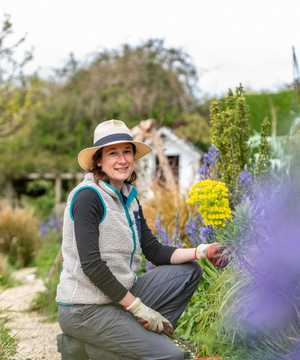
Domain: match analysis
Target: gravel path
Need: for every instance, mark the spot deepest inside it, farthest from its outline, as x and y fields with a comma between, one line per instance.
x=36, y=338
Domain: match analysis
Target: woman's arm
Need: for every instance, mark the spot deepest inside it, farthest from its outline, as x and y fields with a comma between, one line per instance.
x=181, y=256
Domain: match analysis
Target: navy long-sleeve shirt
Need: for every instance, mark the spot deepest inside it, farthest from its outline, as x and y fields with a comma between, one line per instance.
x=88, y=212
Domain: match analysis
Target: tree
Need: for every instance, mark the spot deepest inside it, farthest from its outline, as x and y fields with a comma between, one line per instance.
x=131, y=84
x=134, y=83
x=14, y=96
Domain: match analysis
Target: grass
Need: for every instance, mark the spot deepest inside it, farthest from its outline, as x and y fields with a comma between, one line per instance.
x=7, y=281
x=47, y=253
x=45, y=302
x=6, y=278
x=7, y=343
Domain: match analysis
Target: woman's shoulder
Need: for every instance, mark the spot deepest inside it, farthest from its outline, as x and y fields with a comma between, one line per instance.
x=88, y=197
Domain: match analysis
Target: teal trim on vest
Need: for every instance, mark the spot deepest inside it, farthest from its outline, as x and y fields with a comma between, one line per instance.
x=132, y=195
x=100, y=198
x=129, y=220
x=64, y=304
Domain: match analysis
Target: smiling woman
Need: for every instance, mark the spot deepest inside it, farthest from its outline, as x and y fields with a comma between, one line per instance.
x=100, y=295
x=116, y=163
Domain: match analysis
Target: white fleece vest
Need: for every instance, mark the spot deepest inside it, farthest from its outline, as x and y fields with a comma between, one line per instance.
x=119, y=243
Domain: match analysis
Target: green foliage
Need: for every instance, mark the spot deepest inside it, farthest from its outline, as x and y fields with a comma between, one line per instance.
x=230, y=133
x=7, y=342
x=19, y=235
x=194, y=128
x=45, y=302
x=202, y=322
x=284, y=103
x=15, y=100
x=47, y=253
x=42, y=205
x=263, y=164
x=6, y=279
x=130, y=83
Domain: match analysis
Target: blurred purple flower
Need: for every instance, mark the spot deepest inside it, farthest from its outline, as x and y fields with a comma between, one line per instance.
x=176, y=239
x=245, y=181
x=269, y=302
x=192, y=230
x=161, y=232
x=209, y=160
x=246, y=186
x=53, y=223
x=207, y=234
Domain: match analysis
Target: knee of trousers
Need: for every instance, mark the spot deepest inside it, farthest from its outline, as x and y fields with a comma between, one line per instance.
x=195, y=270
x=175, y=354
x=70, y=348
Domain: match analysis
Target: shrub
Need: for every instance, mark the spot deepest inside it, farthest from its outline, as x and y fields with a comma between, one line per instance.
x=171, y=209
x=45, y=302
x=19, y=237
x=230, y=133
x=47, y=253
x=6, y=280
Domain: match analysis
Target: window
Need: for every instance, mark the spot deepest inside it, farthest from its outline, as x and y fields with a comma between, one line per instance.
x=173, y=161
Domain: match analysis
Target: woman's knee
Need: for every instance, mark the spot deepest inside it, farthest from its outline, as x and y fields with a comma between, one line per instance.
x=175, y=354
x=194, y=269
x=197, y=270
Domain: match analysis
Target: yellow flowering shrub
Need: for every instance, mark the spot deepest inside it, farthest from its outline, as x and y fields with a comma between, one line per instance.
x=211, y=199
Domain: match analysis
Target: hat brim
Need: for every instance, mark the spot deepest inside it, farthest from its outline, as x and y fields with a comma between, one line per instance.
x=85, y=156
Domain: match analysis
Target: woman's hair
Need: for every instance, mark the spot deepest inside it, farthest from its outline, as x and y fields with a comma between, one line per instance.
x=99, y=174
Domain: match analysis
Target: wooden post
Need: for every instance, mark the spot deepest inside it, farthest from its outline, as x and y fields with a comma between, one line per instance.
x=163, y=162
x=58, y=190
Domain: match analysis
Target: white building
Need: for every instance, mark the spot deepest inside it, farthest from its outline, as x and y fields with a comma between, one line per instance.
x=184, y=159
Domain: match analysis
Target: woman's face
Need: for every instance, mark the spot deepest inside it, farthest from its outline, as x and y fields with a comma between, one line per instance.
x=117, y=162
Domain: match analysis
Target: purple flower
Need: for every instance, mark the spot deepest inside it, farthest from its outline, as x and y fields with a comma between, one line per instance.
x=268, y=302
x=192, y=230
x=246, y=185
x=53, y=223
x=207, y=234
x=209, y=160
x=212, y=156
x=161, y=232
x=245, y=180
x=176, y=240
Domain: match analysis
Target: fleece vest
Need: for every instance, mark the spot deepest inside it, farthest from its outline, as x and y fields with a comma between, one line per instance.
x=119, y=243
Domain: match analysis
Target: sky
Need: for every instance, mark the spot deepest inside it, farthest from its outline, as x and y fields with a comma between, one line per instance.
x=229, y=41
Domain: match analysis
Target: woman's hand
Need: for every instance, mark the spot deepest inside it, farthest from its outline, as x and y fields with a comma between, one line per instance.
x=151, y=319
x=216, y=253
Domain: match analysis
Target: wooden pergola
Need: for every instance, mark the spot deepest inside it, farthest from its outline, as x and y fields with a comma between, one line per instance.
x=57, y=178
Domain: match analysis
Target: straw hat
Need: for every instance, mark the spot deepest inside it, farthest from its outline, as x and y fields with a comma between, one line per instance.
x=108, y=133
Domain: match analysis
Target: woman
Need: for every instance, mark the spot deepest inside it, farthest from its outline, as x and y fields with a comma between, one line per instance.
x=102, y=302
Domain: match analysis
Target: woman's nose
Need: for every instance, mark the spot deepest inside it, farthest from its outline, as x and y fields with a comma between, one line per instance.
x=122, y=157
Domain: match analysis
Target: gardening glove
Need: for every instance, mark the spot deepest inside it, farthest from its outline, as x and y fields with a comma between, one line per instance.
x=151, y=319
x=218, y=255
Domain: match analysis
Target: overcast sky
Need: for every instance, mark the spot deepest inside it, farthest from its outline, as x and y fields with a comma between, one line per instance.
x=232, y=41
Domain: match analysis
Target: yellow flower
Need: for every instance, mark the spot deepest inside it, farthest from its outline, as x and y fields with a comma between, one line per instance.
x=211, y=199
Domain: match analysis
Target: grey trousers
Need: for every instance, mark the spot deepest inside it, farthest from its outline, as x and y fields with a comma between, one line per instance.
x=111, y=333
